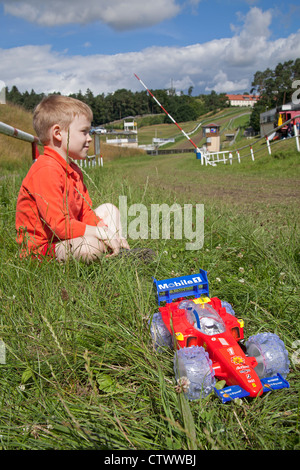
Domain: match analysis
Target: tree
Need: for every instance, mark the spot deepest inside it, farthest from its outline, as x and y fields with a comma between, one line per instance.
x=254, y=120
x=214, y=101
x=190, y=90
x=14, y=96
x=274, y=88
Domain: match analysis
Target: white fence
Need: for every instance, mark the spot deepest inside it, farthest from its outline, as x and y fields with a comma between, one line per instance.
x=91, y=161
x=249, y=151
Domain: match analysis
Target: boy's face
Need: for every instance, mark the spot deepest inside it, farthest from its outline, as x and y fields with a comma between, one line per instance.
x=76, y=140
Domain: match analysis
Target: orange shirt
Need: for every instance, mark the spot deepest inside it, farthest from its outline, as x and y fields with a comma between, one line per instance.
x=53, y=203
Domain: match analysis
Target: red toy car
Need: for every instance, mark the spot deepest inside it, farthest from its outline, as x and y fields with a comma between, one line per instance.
x=208, y=339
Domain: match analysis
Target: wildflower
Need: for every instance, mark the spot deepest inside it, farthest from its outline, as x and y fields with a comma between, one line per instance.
x=242, y=281
x=182, y=385
x=240, y=255
x=238, y=401
x=218, y=279
x=242, y=270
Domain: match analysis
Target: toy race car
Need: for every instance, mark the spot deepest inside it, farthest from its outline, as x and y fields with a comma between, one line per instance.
x=208, y=340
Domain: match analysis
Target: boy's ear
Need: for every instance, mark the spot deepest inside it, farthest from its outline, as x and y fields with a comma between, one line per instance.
x=56, y=132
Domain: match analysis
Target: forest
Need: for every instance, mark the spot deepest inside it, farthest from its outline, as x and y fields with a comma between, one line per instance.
x=123, y=103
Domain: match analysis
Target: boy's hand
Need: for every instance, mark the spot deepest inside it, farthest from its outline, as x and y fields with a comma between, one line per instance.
x=110, y=240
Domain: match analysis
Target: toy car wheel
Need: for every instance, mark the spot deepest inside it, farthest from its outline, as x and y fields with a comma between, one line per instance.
x=160, y=334
x=194, y=372
x=270, y=353
x=228, y=307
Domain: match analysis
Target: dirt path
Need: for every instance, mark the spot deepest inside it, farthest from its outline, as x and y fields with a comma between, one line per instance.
x=247, y=192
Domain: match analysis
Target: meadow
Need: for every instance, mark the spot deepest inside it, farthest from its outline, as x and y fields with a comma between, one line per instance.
x=80, y=370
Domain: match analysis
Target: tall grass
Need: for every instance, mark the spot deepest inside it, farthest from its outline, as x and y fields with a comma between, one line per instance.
x=13, y=152
x=81, y=371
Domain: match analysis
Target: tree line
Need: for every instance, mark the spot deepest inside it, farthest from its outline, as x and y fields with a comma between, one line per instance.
x=123, y=103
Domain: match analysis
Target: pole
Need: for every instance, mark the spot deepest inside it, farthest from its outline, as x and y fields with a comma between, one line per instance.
x=268, y=145
x=296, y=133
x=166, y=112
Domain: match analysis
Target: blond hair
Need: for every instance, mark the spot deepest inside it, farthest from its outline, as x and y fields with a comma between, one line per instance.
x=57, y=109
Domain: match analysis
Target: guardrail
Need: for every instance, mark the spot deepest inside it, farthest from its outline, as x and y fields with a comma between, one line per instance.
x=226, y=155
x=21, y=135
x=90, y=161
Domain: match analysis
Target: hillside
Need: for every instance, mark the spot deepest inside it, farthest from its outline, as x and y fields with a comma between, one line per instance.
x=14, y=152
x=230, y=119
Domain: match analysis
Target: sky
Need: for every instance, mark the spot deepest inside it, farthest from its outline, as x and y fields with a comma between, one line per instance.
x=75, y=45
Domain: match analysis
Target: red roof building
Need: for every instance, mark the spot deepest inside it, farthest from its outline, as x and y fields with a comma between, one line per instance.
x=242, y=100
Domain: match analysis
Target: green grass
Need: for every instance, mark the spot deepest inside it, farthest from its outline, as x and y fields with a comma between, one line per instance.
x=81, y=371
x=228, y=118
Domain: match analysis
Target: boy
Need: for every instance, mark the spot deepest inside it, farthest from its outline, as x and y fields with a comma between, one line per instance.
x=54, y=213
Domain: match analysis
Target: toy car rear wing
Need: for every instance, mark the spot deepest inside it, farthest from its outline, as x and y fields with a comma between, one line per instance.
x=193, y=285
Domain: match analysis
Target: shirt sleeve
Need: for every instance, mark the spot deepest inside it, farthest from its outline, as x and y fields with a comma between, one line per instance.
x=88, y=215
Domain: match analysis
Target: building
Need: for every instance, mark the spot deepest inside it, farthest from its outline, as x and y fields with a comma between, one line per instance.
x=211, y=133
x=126, y=138
x=130, y=125
x=267, y=121
x=242, y=100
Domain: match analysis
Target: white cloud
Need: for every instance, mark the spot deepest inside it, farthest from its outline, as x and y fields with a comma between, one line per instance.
x=183, y=84
x=223, y=65
x=119, y=14
x=221, y=84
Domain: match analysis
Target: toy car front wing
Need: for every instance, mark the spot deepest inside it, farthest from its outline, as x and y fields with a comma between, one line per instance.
x=235, y=391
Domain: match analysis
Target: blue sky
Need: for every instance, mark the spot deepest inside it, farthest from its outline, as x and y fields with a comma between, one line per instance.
x=70, y=45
